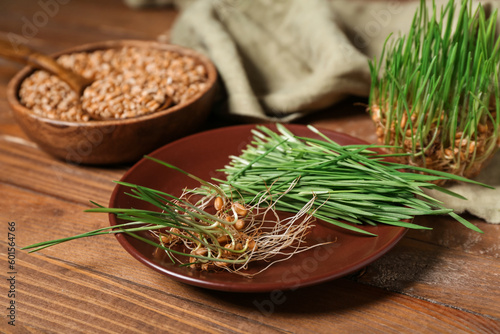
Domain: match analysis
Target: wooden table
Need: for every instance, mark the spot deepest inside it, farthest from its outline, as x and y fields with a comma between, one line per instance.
x=441, y=281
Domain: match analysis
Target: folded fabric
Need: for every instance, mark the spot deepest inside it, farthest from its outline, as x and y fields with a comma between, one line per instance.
x=280, y=60
x=481, y=202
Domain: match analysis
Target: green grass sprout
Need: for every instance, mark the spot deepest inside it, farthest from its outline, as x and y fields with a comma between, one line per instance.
x=352, y=186
x=435, y=90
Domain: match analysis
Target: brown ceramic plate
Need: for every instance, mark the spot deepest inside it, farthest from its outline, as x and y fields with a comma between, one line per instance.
x=203, y=154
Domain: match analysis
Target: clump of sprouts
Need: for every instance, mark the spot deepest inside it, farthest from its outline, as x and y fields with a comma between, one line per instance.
x=235, y=234
x=352, y=185
x=217, y=231
x=206, y=229
x=435, y=91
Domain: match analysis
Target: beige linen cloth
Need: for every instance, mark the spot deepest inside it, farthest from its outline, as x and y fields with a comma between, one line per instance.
x=282, y=59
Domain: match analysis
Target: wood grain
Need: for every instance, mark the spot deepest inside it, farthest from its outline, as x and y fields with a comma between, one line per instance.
x=442, y=281
x=401, y=276
x=24, y=165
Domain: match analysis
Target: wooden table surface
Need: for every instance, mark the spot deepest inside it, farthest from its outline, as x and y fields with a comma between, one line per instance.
x=442, y=281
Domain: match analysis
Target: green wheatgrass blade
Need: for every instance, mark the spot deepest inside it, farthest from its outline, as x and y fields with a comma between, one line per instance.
x=465, y=222
x=439, y=173
x=344, y=225
x=259, y=158
x=101, y=231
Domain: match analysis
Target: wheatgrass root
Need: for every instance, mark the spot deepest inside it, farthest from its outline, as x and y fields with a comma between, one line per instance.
x=240, y=235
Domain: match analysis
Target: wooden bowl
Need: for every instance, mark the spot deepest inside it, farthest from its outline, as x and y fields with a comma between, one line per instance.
x=114, y=141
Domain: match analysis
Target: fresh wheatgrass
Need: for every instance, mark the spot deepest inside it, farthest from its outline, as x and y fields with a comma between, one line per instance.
x=230, y=225
x=435, y=91
x=352, y=185
x=208, y=233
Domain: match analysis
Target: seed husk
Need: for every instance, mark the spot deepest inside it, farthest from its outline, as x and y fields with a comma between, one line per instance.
x=240, y=209
x=218, y=203
x=240, y=224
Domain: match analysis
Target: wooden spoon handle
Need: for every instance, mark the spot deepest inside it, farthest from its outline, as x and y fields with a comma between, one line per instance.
x=25, y=55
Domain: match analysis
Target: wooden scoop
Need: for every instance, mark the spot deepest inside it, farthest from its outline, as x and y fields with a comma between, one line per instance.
x=27, y=56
